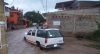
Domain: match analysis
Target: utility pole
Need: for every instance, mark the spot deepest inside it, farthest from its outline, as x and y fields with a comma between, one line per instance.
x=46, y=9
x=3, y=45
x=46, y=6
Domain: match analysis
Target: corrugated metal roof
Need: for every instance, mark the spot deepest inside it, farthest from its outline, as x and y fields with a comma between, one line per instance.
x=69, y=3
x=66, y=4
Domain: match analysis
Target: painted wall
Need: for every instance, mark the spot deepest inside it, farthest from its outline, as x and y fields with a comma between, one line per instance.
x=14, y=18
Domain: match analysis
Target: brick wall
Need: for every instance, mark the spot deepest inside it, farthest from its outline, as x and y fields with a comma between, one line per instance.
x=74, y=22
x=86, y=5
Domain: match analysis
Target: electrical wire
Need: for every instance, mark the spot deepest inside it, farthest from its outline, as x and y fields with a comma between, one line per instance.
x=46, y=6
x=12, y=3
x=42, y=4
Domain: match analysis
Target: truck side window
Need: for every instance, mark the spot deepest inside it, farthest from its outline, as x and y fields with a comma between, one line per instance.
x=41, y=33
x=29, y=33
x=33, y=32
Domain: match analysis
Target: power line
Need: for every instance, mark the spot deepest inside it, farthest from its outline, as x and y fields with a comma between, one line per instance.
x=42, y=4
x=46, y=6
x=12, y=3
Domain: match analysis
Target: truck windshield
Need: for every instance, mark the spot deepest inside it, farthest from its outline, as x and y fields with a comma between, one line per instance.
x=53, y=33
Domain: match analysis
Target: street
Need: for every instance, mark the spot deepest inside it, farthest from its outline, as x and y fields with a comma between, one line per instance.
x=17, y=45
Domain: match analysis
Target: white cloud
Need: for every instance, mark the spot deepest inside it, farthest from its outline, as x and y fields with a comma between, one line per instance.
x=30, y=5
x=52, y=10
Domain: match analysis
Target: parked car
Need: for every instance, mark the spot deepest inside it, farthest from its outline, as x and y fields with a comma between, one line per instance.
x=45, y=38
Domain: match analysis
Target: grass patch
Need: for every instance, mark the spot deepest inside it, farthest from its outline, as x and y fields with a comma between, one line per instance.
x=97, y=46
x=95, y=36
x=79, y=37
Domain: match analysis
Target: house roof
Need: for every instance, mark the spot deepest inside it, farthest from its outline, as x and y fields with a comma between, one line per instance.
x=69, y=3
x=66, y=4
x=95, y=3
x=91, y=1
x=44, y=14
x=15, y=11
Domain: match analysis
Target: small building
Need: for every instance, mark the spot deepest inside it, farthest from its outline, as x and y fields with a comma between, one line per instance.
x=12, y=20
x=25, y=23
x=76, y=17
x=15, y=19
x=71, y=5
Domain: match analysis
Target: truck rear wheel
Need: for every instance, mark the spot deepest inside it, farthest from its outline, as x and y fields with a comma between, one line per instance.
x=38, y=45
x=25, y=38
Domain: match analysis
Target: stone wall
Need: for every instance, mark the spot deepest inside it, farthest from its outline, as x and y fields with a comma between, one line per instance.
x=75, y=21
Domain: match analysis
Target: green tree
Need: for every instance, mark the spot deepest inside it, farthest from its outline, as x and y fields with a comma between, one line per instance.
x=12, y=8
x=34, y=16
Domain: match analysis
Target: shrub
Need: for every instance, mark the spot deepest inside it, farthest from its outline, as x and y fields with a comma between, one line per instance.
x=96, y=34
x=31, y=24
x=97, y=46
x=20, y=23
x=79, y=37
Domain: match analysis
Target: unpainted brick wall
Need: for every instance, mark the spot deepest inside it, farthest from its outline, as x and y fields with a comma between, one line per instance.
x=86, y=4
x=71, y=24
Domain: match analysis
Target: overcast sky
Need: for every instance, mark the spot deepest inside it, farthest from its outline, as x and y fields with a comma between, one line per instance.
x=29, y=5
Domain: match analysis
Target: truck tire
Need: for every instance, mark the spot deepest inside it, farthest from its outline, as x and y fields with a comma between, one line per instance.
x=38, y=45
x=25, y=38
x=41, y=48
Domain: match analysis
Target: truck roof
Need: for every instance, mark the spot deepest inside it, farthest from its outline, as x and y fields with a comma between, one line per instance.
x=47, y=29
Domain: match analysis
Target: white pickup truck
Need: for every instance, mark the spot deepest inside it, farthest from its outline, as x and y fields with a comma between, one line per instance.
x=45, y=38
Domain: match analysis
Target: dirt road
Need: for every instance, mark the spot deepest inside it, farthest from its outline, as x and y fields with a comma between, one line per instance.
x=16, y=45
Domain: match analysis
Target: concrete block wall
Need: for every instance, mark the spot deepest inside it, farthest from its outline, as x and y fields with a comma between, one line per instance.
x=74, y=23
x=92, y=11
x=85, y=22
x=86, y=4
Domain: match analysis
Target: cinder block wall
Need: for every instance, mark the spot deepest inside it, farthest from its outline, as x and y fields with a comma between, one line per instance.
x=75, y=22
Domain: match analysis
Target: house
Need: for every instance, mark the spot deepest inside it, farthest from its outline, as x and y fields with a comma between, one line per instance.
x=15, y=19
x=71, y=5
x=76, y=17
x=25, y=23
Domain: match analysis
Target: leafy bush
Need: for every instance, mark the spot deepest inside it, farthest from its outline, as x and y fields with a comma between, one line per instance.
x=96, y=34
x=97, y=46
x=31, y=24
x=79, y=37
x=98, y=24
x=20, y=23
